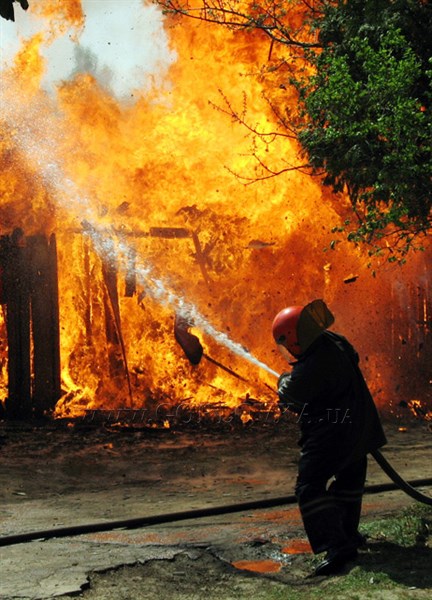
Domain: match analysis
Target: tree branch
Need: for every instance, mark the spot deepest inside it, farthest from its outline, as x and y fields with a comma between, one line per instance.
x=266, y=17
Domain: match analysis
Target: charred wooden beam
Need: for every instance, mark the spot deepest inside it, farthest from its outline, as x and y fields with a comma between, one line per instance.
x=45, y=322
x=116, y=365
x=87, y=294
x=201, y=257
x=169, y=232
x=224, y=368
x=131, y=278
x=55, y=317
x=16, y=297
x=117, y=358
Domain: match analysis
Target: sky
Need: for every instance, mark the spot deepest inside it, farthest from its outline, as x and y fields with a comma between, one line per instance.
x=123, y=44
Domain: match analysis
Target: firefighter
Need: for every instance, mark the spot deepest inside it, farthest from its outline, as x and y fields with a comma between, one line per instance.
x=339, y=426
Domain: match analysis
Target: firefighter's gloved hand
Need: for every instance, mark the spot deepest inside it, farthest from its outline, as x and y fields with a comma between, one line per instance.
x=283, y=404
x=282, y=385
x=282, y=378
x=286, y=400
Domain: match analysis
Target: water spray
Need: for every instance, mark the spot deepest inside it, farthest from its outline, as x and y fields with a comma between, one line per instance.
x=40, y=152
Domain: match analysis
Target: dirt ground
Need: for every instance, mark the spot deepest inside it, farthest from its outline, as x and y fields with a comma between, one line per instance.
x=62, y=473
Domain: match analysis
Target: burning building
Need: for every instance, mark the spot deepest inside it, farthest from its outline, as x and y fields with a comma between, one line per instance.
x=130, y=224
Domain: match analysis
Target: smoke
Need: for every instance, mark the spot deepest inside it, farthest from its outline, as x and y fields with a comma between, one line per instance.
x=122, y=44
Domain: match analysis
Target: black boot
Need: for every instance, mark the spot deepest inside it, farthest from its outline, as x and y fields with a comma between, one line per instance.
x=336, y=559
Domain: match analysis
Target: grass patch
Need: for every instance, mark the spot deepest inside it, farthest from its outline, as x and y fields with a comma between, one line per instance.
x=409, y=528
x=395, y=565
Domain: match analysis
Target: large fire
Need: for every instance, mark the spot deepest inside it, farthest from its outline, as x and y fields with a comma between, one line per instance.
x=155, y=217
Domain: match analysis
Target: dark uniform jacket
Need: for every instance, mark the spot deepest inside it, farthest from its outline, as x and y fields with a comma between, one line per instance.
x=326, y=389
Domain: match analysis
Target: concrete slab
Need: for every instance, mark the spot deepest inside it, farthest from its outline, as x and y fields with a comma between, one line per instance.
x=54, y=568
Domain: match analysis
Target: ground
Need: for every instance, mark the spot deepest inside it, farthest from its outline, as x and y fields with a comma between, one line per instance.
x=57, y=474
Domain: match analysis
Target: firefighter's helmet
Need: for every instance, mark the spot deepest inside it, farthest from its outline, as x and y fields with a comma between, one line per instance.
x=285, y=329
x=297, y=327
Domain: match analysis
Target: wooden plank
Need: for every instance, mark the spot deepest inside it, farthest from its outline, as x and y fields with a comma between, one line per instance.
x=111, y=306
x=55, y=320
x=169, y=232
x=117, y=358
x=45, y=323
x=87, y=294
x=17, y=300
x=131, y=278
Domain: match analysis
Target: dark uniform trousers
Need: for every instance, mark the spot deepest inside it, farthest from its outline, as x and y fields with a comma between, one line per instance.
x=327, y=378
x=330, y=513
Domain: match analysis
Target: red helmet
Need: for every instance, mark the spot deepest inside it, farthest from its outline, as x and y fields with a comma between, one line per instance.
x=285, y=329
x=297, y=327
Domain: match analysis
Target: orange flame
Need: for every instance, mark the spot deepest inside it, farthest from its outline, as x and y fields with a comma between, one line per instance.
x=160, y=181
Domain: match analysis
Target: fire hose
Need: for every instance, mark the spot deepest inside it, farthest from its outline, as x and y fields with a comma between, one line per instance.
x=400, y=483
x=140, y=522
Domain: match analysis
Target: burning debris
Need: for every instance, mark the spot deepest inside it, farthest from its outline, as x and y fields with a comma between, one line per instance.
x=189, y=343
x=350, y=278
x=418, y=409
x=192, y=346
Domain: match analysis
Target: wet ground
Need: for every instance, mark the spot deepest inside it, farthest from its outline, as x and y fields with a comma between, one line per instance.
x=61, y=474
